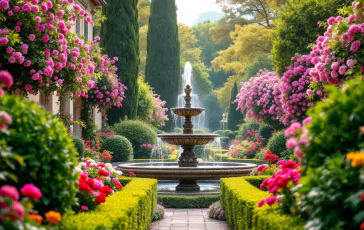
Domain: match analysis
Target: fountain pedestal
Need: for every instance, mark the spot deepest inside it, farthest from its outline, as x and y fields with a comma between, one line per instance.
x=188, y=185
x=188, y=157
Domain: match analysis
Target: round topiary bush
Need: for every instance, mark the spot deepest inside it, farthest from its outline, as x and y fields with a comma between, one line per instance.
x=228, y=133
x=250, y=124
x=47, y=150
x=120, y=147
x=266, y=132
x=80, y=146
x=137, y=133
x=277, y=143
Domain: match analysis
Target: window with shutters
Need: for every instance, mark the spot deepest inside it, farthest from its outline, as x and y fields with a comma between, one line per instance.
x=85, y=28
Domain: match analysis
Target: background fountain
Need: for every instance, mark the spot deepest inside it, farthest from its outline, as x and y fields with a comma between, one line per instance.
x=188, y=170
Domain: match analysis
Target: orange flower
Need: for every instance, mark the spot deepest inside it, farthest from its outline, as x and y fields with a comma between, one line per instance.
x=53, y=217
x=35, y=217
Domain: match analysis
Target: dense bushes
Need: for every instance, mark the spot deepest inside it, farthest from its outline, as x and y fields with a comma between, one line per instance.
x=130, y=208
x=188, y=201
x=265, y=131
x=137, y=133
x=277, y=143
x=119, y=146
x=239, y=200
x=250, y=124
x=47, y=150
x=79, y=145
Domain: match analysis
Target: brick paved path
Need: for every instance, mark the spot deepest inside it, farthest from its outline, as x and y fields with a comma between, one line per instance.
x=188, y=219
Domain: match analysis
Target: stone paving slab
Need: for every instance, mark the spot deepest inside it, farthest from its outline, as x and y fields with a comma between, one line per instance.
x=188, y=219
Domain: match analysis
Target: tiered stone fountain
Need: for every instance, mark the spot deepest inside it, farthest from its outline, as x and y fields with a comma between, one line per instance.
x=188, y=170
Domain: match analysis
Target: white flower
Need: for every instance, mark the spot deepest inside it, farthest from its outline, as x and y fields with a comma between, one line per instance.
x=91, y=160
x=82, y=164
x=119, y=172
x=108, y=166
x=93, y=164
x=78, y=169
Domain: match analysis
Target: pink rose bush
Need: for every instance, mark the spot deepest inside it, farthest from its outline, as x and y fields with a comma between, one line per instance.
x=280, y=185
x=159, y=114
x=6, y=80
x=97, y=181
x=298, y=137
x=260, y=98
x=44, y=55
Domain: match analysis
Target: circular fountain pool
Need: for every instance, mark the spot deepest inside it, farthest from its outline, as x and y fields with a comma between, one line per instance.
x=171, y=170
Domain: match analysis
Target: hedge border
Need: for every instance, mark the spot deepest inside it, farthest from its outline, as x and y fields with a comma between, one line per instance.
x=239, y=200
x=172, y=158
x=203, y=201
x=225, y=158
x=130, y=208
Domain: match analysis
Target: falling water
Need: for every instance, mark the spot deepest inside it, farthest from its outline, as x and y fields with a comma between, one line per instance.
x=158, y=152
x=199, y=121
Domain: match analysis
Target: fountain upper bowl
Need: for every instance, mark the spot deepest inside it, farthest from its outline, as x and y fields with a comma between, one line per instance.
x=188, y=139
x=187, y=112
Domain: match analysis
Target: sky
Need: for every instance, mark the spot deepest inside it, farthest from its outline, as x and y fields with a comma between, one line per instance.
x=189, y=10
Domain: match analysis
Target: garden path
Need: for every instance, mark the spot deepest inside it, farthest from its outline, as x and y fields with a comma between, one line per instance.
x=188, y=219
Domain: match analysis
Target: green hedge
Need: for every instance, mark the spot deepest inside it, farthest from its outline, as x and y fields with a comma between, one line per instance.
x=130, y=208
x=224, y=158
x=256, y=180
x=172, y=158
x=239, y=199
x=188, y=201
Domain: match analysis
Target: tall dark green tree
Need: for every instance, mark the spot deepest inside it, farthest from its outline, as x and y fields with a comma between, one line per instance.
x=163, y=59
x=235, y=117
x=120, y=38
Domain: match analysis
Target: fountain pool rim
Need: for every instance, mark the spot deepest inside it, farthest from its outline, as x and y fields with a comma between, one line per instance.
x=200, y=166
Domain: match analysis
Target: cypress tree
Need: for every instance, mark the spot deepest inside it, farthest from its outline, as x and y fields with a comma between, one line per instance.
x=235, y=117
x=120, y=38
x=163, y=58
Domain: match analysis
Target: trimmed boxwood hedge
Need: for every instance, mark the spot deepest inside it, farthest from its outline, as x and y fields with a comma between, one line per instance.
x=130, y=208
x=120, y=147
x=239, y=200
x=187, y=201
x=224, y=158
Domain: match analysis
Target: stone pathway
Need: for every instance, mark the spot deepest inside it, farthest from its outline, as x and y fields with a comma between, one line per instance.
x=188, y=219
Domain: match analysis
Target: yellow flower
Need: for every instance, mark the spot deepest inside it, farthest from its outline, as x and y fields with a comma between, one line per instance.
x=357, y=158
x=53, y=217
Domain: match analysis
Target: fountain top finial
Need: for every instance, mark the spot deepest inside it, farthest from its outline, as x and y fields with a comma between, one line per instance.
x=188, y=97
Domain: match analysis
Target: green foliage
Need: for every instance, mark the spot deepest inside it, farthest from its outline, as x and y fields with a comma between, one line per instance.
x=213, y=111
x=79, y=145
x=228, y=133
x=295, y=30
x=235, y=117
x=216, y=211
x=266, y=132
x=260, y=63
x=130, y=208
x=187, y=201
x=219, y=132
x=163, y=57
x=288, y=155
x=137, y=133
x=250, y=124
x=89, y=131
x=145, y=101
x=331, y=193
x=122, y=40
x=277, y=143
x=239, y=200
x=48, y=152
x=336, y=123
x=120, y=147
x=158, y=213
x=256, y=180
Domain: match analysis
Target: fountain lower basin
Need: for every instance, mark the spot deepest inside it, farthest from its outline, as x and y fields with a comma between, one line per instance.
x=187, y=175
x=188, y=139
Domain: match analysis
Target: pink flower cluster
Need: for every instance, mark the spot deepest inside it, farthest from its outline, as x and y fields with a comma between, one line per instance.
x=14, y=210
x=146, y=145
x=7, y=81
x=295, y=90
x=335, y=54
x=159, y=116
x=283, y=180
x=53, y=58
x=260, y=97
x=298, y=137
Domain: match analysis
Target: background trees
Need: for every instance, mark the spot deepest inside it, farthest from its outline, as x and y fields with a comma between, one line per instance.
x=122, y=42
x=163, y=58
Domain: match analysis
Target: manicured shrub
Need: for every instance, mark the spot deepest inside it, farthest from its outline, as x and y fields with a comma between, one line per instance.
x=47, y=150
x=79, y=145
x=277, y=143
x=239, y=200
x=216, y=211
x=130, y=208
x=187, y=201
x=219, y=132
x=137, y=133
x=228, y=133
x=266, y=132
x=250, y=124
x=120, y=147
